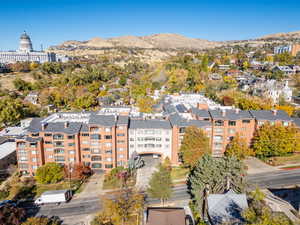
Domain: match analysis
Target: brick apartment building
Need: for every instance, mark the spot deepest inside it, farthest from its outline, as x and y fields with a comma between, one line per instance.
x=106, y=141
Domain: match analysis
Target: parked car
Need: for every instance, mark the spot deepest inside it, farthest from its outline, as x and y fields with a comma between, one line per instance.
x=56, y=196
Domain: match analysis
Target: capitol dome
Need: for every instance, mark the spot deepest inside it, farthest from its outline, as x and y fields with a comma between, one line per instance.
x=25, y=43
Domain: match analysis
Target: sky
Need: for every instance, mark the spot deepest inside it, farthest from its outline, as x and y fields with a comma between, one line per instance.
x=50, y=22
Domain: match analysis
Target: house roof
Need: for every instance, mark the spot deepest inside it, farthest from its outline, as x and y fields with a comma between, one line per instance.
x=230, y=114
x=149, y=124
x=200, y=112
x=123, y=120
x=296, y=121
x=7, y=148
x=269, y=115
x=103, y=120
x=165, y=216
x=226, y=207
x=177, y=120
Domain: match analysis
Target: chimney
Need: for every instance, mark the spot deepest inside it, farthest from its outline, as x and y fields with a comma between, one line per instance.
x=274, y=111
x=66, y=124
x=44, y=125
x=237, y=111
x=223, y=112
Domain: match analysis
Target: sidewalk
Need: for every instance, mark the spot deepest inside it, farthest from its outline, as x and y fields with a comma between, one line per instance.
x=256, y=166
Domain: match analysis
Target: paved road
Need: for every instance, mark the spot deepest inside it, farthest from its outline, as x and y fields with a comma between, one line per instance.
x=277, y=179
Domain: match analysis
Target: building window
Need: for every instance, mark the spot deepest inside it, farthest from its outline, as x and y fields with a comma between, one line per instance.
x=58, y=136
x=33, y=152
x=157, y=131
x=59, y=158
x=94, y=129
x=96, y=158
x=219, y=130
x=149, y=132
x=108, y=144
x=23, y=166
x=86, y=149
x=33, y=159
x=231, y=123
x=181, y=130
x=285, y=124
x=120, y=149
x=85, y=134
x=231, y=130
x=95, y=151
x=85, y=142
x=167, y=139
x=131, y=139
x=140, y=145
x=71, y=144
x=167, y=146
x=121, y=127
x=107, y=129
x=50, y=156
x=120, y=135
x=49, y=149
x=48, y=134
x=120, y=141
x=35, y=134
x=71, y=152
x=131, y=146
x=58, y=144
x=107, y=137
x=108, y=151
x=71, y=136
x=219, y=123
x=86, y=156
x=95, y=136
x=34, y=167
x=158, y=139
x=149, y=145
x=158, y=145
x=218, y=146
x=246, y=121
x=96, y=165
x=218, y=138
x=109, y=159
x=33, y=145
x=121, y=156
x=95, y=143
x=48, y=142
x=108, y=166
x=71, y=159
x=59, y=151
x=21, y=145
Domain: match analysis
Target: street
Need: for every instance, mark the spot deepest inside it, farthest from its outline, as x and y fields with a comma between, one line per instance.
x=84, y=206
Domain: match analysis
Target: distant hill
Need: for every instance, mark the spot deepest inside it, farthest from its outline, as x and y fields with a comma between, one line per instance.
x=162, y=41
x=288, y=35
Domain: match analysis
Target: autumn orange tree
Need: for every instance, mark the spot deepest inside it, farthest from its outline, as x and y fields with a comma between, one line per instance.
x=275, y=140
x=194, y=145
x=238, y=147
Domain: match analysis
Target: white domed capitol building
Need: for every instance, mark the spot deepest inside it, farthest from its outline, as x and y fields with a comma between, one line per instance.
x=27, y=54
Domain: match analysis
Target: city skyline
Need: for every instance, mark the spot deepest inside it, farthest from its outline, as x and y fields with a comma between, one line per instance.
x=52, y=22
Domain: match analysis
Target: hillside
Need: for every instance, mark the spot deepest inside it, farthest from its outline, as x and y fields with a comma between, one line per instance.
x=289, y=35
x=162, y=41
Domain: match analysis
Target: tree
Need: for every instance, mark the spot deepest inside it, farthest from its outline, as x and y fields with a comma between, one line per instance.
x=42, y=221
x=238, y=147
x=275, y=140
x=49, y=173
x=160, y=184
x=194, y=145
x=215, y=175
x=124, y=208
x=11, y=111
x=22, y=85
x=11, y=215
x=145, y=104
x=78, y=171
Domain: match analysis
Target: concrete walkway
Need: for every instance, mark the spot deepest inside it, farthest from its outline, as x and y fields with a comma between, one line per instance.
x=144, y=174
x=93, y=188
x=256, y=166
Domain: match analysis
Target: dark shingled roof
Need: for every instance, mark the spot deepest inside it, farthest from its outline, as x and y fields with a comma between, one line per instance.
x=123, y=120
x=103, y=120
x=84, y=128
x=72, y=128
x=35, y=125
x=269, y=115
x=33, y=140
x=181, y=108
x=169, y=108
x=230, y=114
x=200, y=112
x=177, y=120
x=149, y=124
x=165, y=216
x=296, y=121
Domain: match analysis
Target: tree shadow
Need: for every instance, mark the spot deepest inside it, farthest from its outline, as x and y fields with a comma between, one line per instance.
x=291, y=195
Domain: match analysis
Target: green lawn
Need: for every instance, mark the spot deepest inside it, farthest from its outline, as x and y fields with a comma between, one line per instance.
x=75, y=185
x=178, y=173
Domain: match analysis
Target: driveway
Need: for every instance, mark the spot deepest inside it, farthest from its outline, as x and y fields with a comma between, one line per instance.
x=256, y=166
x=144, y=174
